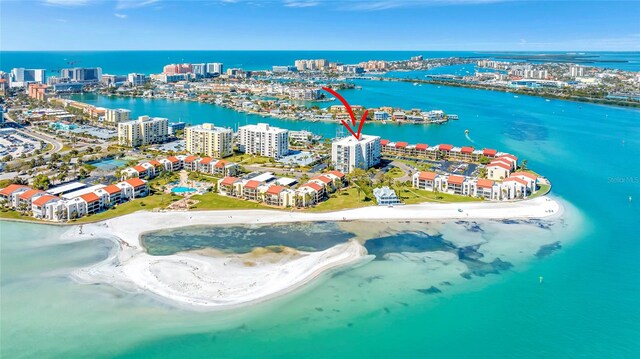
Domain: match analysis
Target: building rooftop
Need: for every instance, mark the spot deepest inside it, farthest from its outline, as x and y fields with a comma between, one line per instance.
x=66, y=188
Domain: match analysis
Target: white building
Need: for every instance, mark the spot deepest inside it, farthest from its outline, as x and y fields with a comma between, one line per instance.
x=143, y=131
x=135, y=79
x=214, y=68
x=20, y=77
x=263, y=140
x=115, y=116
x=349, y=153
x=208, y=140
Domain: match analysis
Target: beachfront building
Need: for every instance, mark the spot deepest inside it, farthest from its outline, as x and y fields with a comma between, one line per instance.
x=350, y=153
x=21, y=77
x=498, y=170
x=143, y=131
x=115, y=116
x=208, y=140
x=385, y=196
x=77, y=201
x=263, y=140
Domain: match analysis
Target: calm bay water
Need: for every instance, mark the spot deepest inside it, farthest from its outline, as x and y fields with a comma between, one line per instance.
x=589, y=305
x=123, y=62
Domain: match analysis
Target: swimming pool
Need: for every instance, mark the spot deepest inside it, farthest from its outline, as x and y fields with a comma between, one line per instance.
x=181, y=189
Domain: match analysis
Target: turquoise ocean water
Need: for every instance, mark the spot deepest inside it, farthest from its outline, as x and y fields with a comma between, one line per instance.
x=588, y=307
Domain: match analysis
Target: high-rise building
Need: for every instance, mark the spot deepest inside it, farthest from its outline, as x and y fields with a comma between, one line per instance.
x=115, y=116
x=82, y=74
x=576, y=71
x=214, y=69
x=263, y=140
x=135, y=79
x=37, y=91
x=208, y=140
x=143, y=131
x=21, y=77
x=349, y=153
x=173, y=69
x=200, y=70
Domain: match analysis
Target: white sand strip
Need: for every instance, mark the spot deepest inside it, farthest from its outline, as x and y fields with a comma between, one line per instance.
x=225, y=281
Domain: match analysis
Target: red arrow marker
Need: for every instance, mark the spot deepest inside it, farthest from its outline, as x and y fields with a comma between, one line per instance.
x=351, y=114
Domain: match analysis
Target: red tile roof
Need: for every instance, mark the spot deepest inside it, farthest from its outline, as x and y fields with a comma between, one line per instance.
x=453, y=179
x=316, y=187
x=41, y=201
x=524, y=174
x=139, y=168
x=11, y=188
x=220, y=164
x=155, y=163
x=445, y=147
x=173, y=159
x=206, y=160
x=466, y=149
x=384, y=142
x=401, y=144
x=515, y=179
x=323, y=179
x=252, y=184
x=427, y=176
x=337, y=173
x=485, y=183
x=112, y=189
x=227, y=181
x=275, y=190
x=489, y=152
x=190, y=159
x=422, y=146
x=500, y=164
x=136, y=182
x=90, y=197
x=29, y=193
x=512, y=157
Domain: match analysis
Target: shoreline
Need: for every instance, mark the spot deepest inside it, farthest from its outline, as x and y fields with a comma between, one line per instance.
x=221, y=282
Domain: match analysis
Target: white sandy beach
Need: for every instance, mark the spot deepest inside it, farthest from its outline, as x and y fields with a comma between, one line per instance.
x=221, y=281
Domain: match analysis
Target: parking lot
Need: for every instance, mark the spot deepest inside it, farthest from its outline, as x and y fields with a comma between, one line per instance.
x=16, y=144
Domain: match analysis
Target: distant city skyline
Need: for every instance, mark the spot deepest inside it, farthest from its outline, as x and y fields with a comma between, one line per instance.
x=476, y=25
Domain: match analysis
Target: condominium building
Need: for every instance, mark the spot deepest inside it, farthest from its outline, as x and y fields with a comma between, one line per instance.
x=82, y=74
x=350, y=153
x=263, y=140
x=143, y=131
x=135, y=79
x=208, y=140
x=214, y=68
x=21, y=77
x=115, y=116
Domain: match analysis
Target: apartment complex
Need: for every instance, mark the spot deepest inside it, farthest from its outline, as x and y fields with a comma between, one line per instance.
x=143, y=131
x=115, y=116
x=349, y=153
x=208, y=140
x=21, y=77
x=263, y=140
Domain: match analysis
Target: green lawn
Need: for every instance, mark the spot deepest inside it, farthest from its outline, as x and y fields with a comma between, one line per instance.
x=145, y=203
x=212, y=200
x=411, y=196
x=10, y=214
x=344, y=199
x=246, y=159
x=395, y=172
x=544, y=189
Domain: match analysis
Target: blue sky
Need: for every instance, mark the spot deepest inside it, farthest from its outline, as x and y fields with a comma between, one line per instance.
x=319, y=25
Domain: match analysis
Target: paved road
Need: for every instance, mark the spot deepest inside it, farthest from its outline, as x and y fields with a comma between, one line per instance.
x=408, y=171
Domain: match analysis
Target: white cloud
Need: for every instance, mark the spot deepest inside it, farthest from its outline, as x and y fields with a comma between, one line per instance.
x=133, y=4
x=68, y=3
x=300, y=3
x=374, y=5
x=120, y=16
